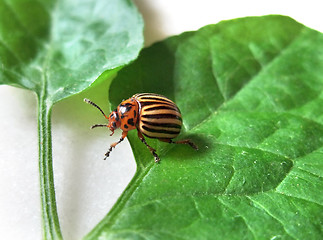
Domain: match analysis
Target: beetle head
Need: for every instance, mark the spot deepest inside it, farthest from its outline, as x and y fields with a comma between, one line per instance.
x=114, y=121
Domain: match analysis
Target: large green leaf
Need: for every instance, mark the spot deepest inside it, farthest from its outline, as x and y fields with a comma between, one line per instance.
x=57, y=49
x=250, y=92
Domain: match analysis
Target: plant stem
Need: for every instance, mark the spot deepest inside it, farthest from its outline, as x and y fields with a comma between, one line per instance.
x=51, y=227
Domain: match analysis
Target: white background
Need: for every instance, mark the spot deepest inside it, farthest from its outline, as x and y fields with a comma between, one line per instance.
x=87, y=186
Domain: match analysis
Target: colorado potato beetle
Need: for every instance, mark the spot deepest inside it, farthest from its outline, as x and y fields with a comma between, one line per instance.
x=153, y=115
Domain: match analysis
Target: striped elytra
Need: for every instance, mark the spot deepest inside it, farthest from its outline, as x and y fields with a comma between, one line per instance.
x=153, y=115
x=159, y=117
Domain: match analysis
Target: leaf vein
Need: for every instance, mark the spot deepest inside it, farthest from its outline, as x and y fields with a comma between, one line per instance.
x=10, y=50
x=272, y=215
x=25, y=29
x=307, y=171
x=241, y=216
x=268, y=65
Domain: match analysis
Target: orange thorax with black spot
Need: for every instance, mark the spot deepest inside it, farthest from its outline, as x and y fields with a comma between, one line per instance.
x=128, y=114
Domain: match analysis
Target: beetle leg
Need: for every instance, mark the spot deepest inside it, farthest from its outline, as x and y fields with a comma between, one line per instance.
x=113, y=145
x=185, y=141
x=152, y=150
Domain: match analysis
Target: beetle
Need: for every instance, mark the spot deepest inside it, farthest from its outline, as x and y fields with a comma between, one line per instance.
x=153, y=115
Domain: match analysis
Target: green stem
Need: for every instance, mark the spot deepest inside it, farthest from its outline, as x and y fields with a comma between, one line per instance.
x=51, y=228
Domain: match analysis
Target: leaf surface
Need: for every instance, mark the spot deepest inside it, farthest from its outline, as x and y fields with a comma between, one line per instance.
x=250, y=92
x=60, y=47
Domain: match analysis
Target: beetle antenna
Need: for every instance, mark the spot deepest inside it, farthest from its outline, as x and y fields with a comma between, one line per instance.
x=93, y=104
x=98, y=125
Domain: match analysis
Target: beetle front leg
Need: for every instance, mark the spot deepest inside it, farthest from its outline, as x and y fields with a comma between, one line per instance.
x=113, y=145
x=152, y=150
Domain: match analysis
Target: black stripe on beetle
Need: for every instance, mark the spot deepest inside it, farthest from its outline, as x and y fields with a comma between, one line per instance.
x=167, y=125
x=153, y=130
x=161, y=107
x=158, y=116
x=147, y=103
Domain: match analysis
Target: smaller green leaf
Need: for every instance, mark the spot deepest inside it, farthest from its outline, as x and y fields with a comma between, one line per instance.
x=59, y=48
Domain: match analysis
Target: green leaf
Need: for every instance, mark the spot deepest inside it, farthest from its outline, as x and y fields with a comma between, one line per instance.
x=57, y=49
x=250, y=93
x=63, y=46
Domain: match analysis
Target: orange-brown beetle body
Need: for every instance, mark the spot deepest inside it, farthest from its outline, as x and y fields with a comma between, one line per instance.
x=153, y=115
